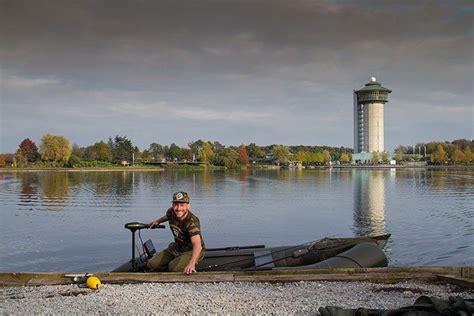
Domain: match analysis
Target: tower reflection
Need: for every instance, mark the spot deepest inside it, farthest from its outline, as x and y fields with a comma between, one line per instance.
x=369, y=201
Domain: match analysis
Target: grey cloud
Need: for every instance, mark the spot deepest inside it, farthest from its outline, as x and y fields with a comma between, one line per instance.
x=293, y=62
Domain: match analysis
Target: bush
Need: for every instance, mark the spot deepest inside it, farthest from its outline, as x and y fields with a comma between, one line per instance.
x=74, y=161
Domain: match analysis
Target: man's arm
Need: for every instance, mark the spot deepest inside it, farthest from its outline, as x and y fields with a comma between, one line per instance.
x=197, y=248
x=157, y=222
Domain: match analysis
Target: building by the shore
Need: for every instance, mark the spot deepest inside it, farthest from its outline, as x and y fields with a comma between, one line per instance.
x=369, y=135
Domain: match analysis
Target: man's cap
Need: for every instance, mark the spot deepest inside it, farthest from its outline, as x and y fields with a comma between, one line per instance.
x=180, y=197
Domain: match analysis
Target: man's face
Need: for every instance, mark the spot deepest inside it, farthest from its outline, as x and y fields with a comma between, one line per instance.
x=180, y=209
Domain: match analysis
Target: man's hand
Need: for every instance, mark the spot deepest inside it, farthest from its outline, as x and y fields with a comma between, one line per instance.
x=153, y=224
x=190, y=268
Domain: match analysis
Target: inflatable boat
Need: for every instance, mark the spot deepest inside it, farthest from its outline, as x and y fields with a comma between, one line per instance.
x=356, y=252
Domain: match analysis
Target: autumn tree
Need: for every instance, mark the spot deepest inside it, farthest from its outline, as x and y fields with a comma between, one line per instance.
x=458, y=156
x=375, y=157
x=326, y=157
x=187, y=154
x=28, y=150
x=344, y=158
x=244, y=157
x=439, y=156
x=55, y=148
x=468, y=155
x=206, y=154
x=2, y=161
x=281, y=153
x=301, y=156
x=99, y=151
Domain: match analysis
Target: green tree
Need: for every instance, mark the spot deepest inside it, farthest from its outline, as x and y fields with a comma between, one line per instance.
x=344, y=158
x=206, y=154
x=55, y=148
x=174, y=152
x=399, y=151
x=74, y=161
x=255, y=151
x=231, y=158
x=156, y=150
x=439, y=156
x=196, y=146
x=122, y=149
x=28, y=150
x=20, y=160
x=281, y=153
x=80, y=152
x=385, y=156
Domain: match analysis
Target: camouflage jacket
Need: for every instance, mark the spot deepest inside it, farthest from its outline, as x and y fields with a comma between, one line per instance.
x=183, y=230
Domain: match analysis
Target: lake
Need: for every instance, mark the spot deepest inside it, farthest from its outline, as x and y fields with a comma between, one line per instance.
x=74, y=221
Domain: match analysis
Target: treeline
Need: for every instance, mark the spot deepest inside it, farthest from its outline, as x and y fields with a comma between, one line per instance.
x=455, y=152
x=57, y=151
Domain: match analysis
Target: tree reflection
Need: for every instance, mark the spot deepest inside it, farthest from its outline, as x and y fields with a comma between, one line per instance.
x=29, y=188
x=54, y=188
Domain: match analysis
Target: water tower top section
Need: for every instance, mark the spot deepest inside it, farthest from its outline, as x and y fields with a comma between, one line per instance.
x=373, y=92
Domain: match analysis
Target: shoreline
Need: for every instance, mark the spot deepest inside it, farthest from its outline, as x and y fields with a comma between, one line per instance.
x=263, y=167
x=219, y=298
x=79, y=169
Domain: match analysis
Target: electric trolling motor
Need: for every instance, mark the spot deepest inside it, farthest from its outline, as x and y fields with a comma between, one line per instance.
x=133, y=227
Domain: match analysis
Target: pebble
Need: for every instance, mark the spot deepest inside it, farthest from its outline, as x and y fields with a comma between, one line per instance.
x=216, y=298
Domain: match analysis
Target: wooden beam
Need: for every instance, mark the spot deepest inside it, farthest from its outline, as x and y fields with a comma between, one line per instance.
x=391, y=274
x=462, y=282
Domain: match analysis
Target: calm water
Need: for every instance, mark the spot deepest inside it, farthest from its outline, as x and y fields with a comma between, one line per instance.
x=73, y=221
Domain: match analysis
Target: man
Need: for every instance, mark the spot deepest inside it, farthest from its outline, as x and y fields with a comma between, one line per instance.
x=188, y=247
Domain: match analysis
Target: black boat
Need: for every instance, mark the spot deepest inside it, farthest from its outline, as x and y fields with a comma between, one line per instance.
x=356, y=252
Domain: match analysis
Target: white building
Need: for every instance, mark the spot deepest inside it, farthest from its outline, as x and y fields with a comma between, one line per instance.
x=369, y=118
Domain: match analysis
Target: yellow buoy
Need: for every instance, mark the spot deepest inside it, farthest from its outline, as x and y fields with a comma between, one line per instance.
x=93, y=282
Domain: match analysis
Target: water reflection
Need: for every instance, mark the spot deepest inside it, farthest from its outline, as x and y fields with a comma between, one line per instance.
x=54, y=190
x=29, y=189
x=369, y=201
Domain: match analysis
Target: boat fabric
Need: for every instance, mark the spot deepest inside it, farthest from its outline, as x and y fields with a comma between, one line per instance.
x=362, y=255
x=263, y=259
x=423, y=306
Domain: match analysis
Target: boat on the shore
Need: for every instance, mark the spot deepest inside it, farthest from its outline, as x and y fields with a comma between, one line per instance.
x=355, y=252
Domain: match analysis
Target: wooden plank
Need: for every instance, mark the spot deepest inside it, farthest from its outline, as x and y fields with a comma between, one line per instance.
x=462, y=282
x=48, y=281
x=391, y=274
x=165, y=277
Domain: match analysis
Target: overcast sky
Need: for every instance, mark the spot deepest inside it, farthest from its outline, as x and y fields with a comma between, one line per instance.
x=263, y=71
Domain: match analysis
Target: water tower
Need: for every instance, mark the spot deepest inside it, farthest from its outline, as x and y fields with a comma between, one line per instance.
x=369, y=117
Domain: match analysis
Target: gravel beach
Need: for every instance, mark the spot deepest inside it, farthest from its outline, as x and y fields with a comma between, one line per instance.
x=217, y=298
